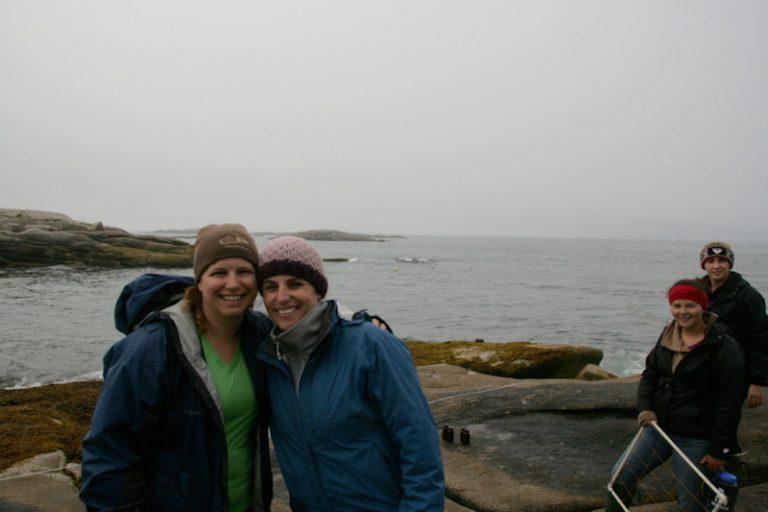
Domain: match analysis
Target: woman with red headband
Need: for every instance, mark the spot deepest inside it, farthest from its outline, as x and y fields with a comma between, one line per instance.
x=692, y=386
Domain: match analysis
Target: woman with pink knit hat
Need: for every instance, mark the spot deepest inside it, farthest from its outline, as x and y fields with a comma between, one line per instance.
x=350, y=424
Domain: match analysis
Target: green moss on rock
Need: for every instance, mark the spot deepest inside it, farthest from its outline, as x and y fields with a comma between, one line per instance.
x=45, y=419
x=521, y=360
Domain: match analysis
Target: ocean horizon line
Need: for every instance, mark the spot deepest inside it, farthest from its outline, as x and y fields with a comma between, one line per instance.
x=191, y=232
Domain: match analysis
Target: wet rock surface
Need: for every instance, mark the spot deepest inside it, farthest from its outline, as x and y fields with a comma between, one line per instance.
x=549, y=444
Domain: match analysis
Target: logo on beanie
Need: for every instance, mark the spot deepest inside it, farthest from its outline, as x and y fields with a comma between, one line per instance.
x=716, y=250
x=234, y=239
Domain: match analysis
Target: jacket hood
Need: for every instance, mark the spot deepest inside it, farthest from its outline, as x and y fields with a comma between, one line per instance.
x=671, y=337
x=145, y=294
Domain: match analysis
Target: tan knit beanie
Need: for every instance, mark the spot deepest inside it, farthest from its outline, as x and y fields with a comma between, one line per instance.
x=218, y=241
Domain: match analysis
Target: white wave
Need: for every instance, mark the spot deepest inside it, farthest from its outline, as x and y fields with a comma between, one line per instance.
x=412, y=260
x=26, y=382
x=85, y=377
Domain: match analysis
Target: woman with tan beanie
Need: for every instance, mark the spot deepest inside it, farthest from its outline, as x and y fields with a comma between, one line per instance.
x=180, y=423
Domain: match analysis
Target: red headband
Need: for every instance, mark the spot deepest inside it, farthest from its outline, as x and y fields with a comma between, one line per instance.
x=688, y=292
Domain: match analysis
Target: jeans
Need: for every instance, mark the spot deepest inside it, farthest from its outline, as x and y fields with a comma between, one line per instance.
x=650, y=451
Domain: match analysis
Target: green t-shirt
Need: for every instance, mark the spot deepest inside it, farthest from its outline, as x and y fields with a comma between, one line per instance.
x=239, y=409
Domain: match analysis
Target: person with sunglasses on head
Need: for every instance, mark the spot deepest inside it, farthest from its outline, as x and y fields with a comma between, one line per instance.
x=741, y=308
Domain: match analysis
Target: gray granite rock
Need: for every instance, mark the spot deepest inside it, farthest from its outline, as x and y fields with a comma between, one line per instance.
x=39, y=484
x=547, y=444
x=35, y=238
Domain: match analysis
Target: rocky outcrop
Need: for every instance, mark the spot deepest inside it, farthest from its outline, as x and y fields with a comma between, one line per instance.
x=31, y=238
x=336, y=236
x=40, y=484
x=520, y=359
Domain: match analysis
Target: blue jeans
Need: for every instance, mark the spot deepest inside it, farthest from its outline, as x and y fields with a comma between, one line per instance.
x=650, y=451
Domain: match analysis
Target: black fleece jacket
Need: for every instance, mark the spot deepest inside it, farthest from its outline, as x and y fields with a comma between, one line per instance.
x=702, y=398
x=742, y=309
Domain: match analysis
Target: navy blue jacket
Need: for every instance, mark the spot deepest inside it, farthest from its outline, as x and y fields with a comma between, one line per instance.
x=156, y=440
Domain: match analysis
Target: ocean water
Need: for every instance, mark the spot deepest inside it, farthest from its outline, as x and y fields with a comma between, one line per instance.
x=56, y=323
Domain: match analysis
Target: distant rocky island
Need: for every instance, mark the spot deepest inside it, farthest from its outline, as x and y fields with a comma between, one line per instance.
x=340, y=236
x=36, y=238
x=328, y=235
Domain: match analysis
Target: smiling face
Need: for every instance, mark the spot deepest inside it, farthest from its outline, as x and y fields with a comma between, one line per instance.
x=687, y=313
x=228, y=288
x=718, y=269
x=287, y=299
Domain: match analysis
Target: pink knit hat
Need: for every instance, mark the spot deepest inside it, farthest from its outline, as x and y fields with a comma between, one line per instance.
x=293, y=256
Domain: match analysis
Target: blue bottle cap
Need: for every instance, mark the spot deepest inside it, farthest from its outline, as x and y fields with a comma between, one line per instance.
x=727, y=478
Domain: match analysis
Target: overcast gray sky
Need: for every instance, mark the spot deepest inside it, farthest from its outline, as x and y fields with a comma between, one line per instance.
x=590, y=118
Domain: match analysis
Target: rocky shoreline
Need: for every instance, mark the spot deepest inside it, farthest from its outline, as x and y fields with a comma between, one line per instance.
x=535, y=445
x=32, y=238
x=35, y=238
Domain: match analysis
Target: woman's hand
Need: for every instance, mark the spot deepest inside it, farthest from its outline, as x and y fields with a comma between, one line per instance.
x=713, y=463
x=380, y=323
x=645, y=418
x=754, y=396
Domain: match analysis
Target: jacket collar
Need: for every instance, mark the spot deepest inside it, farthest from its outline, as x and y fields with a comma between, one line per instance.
x=733, y=283
x=303, y=337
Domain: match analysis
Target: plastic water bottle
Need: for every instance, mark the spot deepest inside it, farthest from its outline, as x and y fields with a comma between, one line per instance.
x=728, y=484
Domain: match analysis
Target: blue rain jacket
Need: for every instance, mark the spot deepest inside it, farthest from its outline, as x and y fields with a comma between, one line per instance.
x=156, y=440
x=359, y=434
